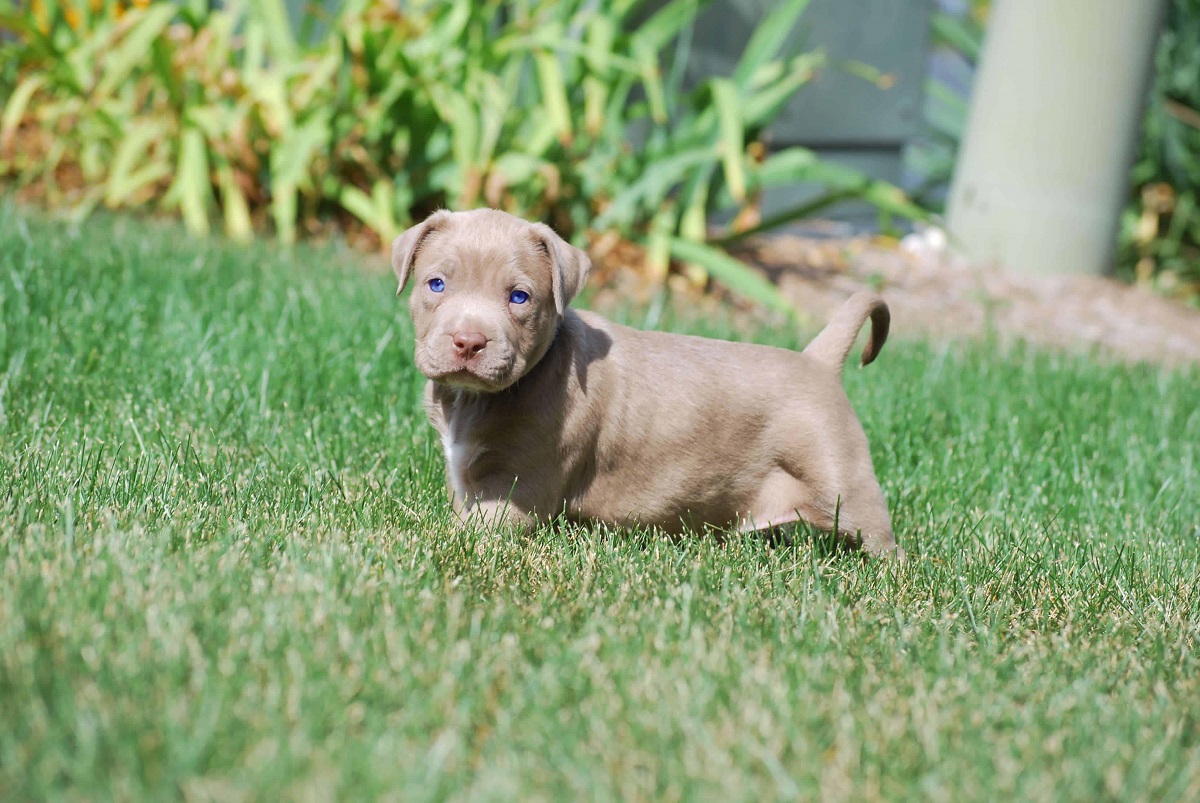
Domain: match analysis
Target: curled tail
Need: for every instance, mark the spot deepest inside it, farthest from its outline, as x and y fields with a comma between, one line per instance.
x=832, y=345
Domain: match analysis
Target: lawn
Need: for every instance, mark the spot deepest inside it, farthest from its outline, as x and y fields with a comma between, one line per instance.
x=226, y=570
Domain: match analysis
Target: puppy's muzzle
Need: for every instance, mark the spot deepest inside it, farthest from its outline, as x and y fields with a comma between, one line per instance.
x=466, y=358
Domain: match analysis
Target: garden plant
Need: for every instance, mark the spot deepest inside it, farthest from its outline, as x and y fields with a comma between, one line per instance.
x=568, y=111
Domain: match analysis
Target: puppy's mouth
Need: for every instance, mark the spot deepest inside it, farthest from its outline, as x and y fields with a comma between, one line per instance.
x=481, y=376
x=466, y=379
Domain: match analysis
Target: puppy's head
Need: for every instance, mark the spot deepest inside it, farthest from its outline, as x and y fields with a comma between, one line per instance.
x=488, y=292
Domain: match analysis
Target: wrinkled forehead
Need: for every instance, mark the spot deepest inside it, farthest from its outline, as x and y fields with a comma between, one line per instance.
x=484, y=257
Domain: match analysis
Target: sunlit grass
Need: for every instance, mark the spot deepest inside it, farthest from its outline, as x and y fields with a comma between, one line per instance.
x=226, y=570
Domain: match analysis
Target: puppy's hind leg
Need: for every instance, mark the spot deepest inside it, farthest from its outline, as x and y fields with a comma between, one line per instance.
x=863, y=519
x=860, y=521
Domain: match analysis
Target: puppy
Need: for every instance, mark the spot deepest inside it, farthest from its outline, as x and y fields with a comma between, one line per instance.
x=544, y=411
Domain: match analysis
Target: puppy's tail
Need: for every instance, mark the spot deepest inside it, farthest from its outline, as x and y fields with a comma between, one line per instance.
x=833, y=344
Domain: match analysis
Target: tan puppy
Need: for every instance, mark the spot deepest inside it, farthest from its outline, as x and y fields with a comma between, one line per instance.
x=544, y=411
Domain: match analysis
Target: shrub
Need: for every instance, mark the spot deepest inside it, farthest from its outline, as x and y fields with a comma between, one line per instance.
x=1160, y=232
x=374, y=117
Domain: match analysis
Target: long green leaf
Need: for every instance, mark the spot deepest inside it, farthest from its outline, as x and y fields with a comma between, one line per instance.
x=290, y=162
x=495, y=104
x=788, y=165
x=292, y=156
x=276, y=28
x=595, y=97
x=598, y=59
x=254, y=51
x=14, y=110
x=658, y=243
x=382, y=194
x=132, y=50
x=127, y=174
x=647, y=59
x=800, y=212
x=284, y=208
x=768, y=37
x=517, y=168
x=458, y=114
x=163, y=66
x=236, y=212
x=599, y=51
x=797, y=165
x=947, y=110
x=662, y=26
x=731, y=143
x=736, y=275
x=192, y=188
x=962, y=36
x=318, y=78
x=143, y=177
x=554, y=93
x=693, y=221
x=652, y=185
x=374, y=210
x=446, y=33
x=270, y=91
x=764, y=104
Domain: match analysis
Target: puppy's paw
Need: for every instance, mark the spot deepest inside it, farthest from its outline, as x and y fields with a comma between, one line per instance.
x=884, y=547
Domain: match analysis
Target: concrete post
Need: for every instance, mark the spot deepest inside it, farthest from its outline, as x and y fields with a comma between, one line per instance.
x=1043, y=170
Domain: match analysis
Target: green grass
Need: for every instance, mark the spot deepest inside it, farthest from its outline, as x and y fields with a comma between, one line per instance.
x=226, y=570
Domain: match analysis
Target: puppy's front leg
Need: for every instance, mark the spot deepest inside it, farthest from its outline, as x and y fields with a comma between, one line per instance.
x=491, y=514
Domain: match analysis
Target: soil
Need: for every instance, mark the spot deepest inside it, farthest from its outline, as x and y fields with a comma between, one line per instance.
x=934, y=293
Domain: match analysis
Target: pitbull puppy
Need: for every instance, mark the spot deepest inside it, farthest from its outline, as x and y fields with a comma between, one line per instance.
x=544, y=411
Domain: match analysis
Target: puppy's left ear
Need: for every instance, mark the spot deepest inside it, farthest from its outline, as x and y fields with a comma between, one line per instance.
x=405, y=247
x=569, y=266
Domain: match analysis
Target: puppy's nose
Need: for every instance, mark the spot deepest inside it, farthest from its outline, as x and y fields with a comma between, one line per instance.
x=468, y=344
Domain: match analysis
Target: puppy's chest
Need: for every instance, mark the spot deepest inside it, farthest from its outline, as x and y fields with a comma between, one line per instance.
x=475, y=439
x=459, y=427
x=487, y=441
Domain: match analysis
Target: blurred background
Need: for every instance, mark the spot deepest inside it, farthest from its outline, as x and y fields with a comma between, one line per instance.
x=661, y=135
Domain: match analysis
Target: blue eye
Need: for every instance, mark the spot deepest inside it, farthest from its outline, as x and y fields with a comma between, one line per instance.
x=518, y=296
x=437, y=285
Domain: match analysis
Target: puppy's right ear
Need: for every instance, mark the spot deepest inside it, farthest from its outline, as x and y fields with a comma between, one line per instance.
x=404, y=249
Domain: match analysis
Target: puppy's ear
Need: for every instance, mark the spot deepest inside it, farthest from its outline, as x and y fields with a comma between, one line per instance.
x=405, y=247
x=569, y=266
